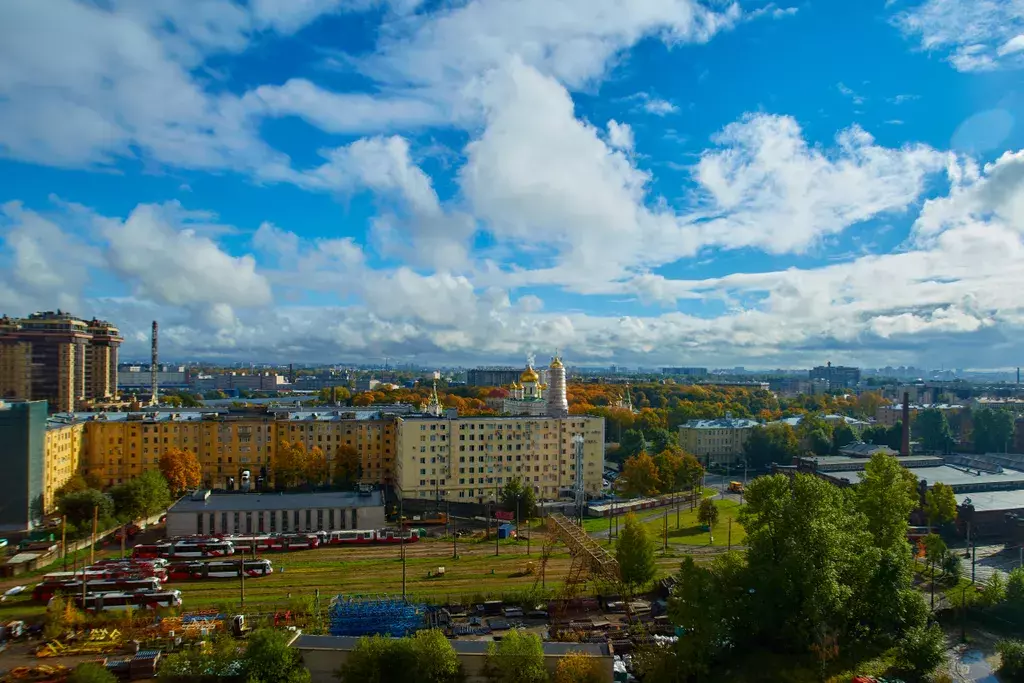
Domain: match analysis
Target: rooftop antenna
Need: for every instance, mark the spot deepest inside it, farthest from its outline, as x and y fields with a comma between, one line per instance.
x=579, y=492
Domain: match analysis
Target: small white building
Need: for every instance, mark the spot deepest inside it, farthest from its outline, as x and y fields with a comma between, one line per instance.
x=267, y=513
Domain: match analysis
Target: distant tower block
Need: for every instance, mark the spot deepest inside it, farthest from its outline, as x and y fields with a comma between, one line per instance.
x=558, y=404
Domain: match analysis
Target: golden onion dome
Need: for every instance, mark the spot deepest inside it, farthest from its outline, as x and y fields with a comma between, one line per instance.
x=514, y=386
x=556, y=362
x=529, y=375
x=542, y=386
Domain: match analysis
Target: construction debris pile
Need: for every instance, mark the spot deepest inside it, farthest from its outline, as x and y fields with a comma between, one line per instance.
x=96, y=641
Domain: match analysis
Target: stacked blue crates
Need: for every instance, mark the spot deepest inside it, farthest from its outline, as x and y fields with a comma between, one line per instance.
x=367, y=616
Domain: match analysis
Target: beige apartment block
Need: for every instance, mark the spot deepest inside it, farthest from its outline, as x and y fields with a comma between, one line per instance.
x=468, y=459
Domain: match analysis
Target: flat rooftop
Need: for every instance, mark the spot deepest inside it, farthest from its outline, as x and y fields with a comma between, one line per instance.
x=990, y=501
x=836, y=463
x=962, y=481
x=230, y=502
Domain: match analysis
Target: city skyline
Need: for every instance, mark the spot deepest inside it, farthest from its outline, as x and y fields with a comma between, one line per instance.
x=652, y=183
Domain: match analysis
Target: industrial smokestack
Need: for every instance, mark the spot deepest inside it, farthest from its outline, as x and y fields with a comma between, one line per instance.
x=905, y=443
x=153, y=367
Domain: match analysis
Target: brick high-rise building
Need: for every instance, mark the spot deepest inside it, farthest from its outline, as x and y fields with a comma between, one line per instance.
x=58, y=358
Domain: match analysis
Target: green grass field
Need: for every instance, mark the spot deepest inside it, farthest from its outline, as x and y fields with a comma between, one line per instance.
x=689, y=531
x=475, y=576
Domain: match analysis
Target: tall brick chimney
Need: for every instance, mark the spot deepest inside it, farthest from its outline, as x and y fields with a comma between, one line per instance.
x=905, y=442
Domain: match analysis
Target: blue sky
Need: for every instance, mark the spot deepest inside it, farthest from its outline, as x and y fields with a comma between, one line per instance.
x=642, y=183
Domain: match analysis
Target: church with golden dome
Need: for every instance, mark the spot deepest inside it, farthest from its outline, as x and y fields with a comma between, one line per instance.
x=531, y=396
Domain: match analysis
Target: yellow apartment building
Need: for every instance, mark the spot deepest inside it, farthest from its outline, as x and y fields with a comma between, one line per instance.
x=62, y=450
x=716, y=442
x=420, y=455
x=468, y=458
x=373, y=439
x=120, y=446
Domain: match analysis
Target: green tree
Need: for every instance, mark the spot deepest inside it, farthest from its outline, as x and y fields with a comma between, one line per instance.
x=803, y=551
x=436, y=660
x=842, y=436
x=994, y=592
x=940, y=504
x=90, y=672
x=932, y=428
x=708, y=513
x=635, y=553
x=1011, y=656
x=74, y=484
x=269, y=659
x=650, y=439
x=773, y=443
x=934, y=550
x=887, y=494
x=881, y=435
x=79, y=506
x=218, y=658
x=377, y=659
x=993, y=430
x=517, y=658
x=142, y=496
x=1015, y=586
x=815, y=434
x=517, y=491
x=951, y=568
x=690, y=473
x=707, y=604
x=922, y=651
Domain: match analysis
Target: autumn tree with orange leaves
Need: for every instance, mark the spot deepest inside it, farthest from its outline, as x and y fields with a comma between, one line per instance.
x=577, y=667
x=640, y=476
x=316, y=471
x=291, y=464
x=181, y=469
x=347, y=467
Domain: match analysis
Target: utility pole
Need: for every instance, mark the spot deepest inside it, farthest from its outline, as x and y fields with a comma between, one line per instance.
x=241, y=578
x=666, y=530
x=455, y=550
x=64, y=540
x=974, y=558
x=677, y=512
x=610, y=523
x=401, y=537
x=95, y=523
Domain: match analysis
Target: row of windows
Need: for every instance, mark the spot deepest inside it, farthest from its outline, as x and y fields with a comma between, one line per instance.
x=268, y=521
x=492, y=425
